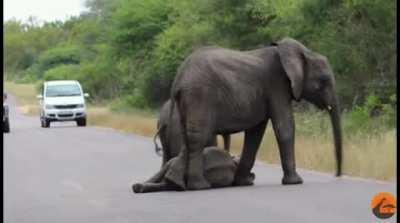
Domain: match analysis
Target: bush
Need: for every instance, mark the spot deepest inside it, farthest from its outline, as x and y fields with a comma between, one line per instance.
x=313, y=123
x=373, y=117
x=100, y=78
x=62, y=72
x=54, y=57
x=25, y=79
x=136, y=23
x=172, y=46
x=135, y=100
x=357, y=120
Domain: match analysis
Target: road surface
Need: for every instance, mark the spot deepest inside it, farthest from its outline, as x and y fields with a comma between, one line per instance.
x=84, y=174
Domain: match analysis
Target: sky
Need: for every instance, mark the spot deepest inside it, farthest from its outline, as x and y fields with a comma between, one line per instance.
x=43, y=10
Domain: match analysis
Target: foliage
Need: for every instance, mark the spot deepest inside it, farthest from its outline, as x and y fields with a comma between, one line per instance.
x=136, y=23
x=61, y=72
x=374, y=116
x=24, y=43
x=129, y=50
x=53, y=58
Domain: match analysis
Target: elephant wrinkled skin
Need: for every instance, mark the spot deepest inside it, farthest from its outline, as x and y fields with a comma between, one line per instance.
x=170, y=134
x=219, y=171
x=222, y=91
x=171, y=139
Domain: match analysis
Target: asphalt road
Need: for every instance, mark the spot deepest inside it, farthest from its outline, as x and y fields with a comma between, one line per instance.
x=84, y=174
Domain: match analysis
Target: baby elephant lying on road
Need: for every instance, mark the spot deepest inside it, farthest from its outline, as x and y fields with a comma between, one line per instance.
x=219, y=171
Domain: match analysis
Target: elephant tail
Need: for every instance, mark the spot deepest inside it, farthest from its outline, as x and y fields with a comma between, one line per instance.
x=158, y=149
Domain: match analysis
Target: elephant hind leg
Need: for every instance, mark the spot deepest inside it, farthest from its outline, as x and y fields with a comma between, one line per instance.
x=196, y=126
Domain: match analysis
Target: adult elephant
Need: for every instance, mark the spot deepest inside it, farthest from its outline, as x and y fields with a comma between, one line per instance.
x=222, y=91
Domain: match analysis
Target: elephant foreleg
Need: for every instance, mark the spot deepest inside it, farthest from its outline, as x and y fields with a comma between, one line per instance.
x=252, y=142
x=283, y=124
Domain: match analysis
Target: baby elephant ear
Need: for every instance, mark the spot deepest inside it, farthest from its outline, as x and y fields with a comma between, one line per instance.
x=176, y=172
x=292, y=59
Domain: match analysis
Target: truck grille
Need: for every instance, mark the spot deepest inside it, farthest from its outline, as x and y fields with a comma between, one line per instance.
x=64, y=115
x=65, y=106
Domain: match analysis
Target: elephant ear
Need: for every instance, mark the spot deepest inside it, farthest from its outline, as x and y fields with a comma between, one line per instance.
x=175, y=174
x=293, y=62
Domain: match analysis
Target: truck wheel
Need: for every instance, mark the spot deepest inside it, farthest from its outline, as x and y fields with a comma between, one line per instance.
x=6, y=126
x=81, y=122
x=45, y=123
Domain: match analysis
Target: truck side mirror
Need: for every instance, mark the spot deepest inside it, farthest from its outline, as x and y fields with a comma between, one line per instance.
x=39, y=96
x=86, y=95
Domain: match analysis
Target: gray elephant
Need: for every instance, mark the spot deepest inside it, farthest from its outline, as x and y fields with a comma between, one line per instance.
x=170, y=134
x=222, y=91
x=219, y=171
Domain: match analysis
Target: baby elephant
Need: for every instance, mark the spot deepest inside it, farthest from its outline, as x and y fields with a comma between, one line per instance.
x=170, y=134
x=218, y=163
x=219, y=171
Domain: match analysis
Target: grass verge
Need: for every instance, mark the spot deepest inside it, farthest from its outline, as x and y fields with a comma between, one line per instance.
x=366, y=155
x=25, y=95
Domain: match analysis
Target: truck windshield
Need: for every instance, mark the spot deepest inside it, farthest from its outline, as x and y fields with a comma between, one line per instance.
x=63, y=90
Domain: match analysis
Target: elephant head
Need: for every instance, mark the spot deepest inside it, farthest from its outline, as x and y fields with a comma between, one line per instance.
x=312, y=79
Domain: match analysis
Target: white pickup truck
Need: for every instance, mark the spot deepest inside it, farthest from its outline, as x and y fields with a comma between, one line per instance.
x=62, y=101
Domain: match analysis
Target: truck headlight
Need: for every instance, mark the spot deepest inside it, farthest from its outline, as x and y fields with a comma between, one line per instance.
x=49, y=107
x=80, y=105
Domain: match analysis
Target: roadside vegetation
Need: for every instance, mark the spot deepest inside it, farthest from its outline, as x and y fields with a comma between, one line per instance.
x=125, y=53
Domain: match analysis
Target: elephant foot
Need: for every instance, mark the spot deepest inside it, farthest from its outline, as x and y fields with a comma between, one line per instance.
x=197, y=183
x=138, y=188
x=292, y=179
x=247, y=180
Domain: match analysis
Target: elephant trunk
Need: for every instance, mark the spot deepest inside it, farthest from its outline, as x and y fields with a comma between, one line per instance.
x=334, y=112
